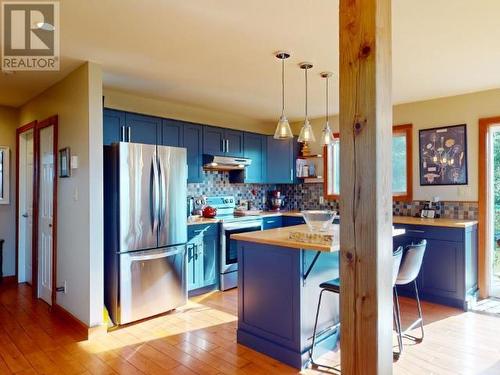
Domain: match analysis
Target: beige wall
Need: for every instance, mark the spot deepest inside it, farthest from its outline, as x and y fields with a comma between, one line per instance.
x=134, y=103
x=462, y=109
x=8, y=124
x=77, y=100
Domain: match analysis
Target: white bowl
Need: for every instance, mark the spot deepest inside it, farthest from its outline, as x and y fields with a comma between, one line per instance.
x=319, y=220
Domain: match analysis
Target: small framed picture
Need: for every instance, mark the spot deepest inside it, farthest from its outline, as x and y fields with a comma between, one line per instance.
x=64, y=162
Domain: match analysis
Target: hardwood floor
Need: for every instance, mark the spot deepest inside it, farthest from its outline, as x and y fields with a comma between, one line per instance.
x=201, y=339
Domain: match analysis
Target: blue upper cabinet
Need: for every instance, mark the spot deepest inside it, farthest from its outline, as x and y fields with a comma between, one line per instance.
x=193, y=139
x=213, y=140
x=219, y=141
x=281, y=155
x=255, y=148
x=172, y=133
x=234, y=142
x=142, y=129
x=114, y=126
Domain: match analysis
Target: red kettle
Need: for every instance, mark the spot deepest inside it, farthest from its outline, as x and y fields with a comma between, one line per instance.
x=209, y=212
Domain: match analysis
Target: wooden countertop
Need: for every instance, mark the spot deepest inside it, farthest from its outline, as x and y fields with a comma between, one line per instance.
x=280, y=237
x=442, y=222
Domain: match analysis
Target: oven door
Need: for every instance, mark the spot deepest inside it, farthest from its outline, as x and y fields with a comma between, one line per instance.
x=229, y=256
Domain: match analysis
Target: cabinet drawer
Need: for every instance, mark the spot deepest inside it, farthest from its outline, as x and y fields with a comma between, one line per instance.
x=433, y=233
x=293, y=220
x=272, y=222
x=202, y=229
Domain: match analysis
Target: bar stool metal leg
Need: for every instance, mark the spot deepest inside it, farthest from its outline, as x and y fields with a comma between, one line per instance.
x=311, y=352
x=397, y=321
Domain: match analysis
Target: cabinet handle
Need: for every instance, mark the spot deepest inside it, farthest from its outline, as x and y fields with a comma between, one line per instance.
x=129, y=133
x=122, y=139
x=415, y=231
x=271, y=221
x=223, y=145
x=291, y=174
x=227, y=145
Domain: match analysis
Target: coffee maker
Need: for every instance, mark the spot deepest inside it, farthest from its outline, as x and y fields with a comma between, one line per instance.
x=276, y=201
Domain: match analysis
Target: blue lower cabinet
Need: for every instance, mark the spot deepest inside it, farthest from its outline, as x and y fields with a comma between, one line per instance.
x=449, y=270
x=288, y=221
x=203, y=255
x=278, y=291
x=272, y=222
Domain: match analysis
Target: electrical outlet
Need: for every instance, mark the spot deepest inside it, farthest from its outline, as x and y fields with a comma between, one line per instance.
x=321, y=200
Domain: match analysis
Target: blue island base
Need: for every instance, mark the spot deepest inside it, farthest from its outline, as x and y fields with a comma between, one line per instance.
x=278, y=291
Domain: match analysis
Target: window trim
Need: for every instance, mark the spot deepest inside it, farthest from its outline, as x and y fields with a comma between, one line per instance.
x=407, y=130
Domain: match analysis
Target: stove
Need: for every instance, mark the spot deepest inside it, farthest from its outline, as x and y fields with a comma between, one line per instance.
x=231, y=224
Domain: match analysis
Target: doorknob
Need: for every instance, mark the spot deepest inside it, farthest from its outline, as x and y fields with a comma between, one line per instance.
x=24, y=215
x=50, y=225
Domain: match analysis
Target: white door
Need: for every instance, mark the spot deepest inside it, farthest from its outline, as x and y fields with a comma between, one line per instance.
x=25, y=206
x=45, y=214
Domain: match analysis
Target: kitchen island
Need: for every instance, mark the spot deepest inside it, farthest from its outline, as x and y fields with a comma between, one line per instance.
x=278, y=290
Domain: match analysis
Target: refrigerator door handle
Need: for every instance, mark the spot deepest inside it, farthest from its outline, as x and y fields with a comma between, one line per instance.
x=155, y=194
x=163, y=194
x=163, y=254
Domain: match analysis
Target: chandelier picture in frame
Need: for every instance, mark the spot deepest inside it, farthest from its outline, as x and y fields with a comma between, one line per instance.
x=443, y=155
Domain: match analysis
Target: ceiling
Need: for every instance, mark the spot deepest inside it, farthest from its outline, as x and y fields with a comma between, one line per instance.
x=218, y=54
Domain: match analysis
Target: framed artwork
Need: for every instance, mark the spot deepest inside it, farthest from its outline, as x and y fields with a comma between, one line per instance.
x=64, y=162
x=443, y=155
x=4, y=175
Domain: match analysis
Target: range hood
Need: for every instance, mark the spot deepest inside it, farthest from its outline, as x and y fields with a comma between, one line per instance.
x=225, y=163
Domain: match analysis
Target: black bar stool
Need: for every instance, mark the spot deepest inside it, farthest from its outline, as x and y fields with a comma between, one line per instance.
x=408, y=272
x=333, y=286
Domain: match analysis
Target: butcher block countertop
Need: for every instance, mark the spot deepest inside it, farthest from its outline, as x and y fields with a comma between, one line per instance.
x=450, y=223
x=280, y=237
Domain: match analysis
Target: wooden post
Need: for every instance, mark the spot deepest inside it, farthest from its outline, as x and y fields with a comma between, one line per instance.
x=365, y=187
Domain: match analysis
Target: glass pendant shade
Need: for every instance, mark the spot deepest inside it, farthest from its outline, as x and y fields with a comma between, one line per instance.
x=306, y=133
x=283, y=130
x=327, y=134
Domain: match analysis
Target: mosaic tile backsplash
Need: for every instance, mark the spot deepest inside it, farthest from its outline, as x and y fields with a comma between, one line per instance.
x=306, y=197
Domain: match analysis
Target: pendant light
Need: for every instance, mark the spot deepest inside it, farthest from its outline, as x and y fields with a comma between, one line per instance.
x=283, y=130
x=306, y=133
x=327, y=133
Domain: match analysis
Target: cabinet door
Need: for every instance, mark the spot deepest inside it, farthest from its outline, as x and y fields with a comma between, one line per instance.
x=213, y=139
x=255, y=148
x=234, y=142
x=172, y=133
x=280, y=163
x=442, y=270
x=143, y=129
x=193, y=138
x=193, y=278
x=209, y=260
x=113, y=126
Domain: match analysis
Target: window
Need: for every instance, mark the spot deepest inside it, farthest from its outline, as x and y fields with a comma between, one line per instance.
x=402, y=181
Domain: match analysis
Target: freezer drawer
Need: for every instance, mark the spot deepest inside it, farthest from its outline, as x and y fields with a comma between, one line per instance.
x=151, y=282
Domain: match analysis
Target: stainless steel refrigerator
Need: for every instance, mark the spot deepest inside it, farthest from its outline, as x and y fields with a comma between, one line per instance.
x=145, y=192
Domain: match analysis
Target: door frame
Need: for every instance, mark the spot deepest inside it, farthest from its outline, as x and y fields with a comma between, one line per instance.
x=484, y=256
x=36, y=126
x=51, y=121
x=19, y=132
